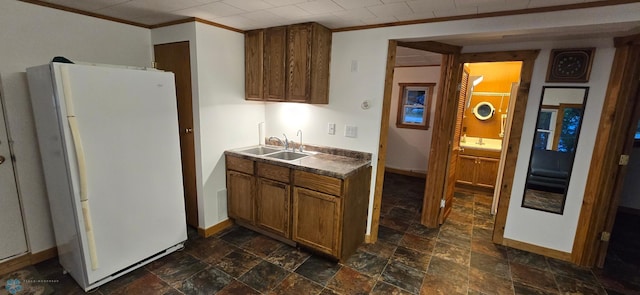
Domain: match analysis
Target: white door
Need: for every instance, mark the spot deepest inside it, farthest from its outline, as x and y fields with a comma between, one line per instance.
x=12, y=236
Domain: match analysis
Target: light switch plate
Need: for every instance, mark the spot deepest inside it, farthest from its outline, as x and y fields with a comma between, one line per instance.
x=331, y=128
x=350, y=131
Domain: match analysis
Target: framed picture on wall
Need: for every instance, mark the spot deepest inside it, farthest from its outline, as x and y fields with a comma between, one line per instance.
x=414, y=105
x=570, y=65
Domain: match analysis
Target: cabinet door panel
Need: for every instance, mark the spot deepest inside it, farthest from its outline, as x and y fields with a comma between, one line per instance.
x=275, y=47
x=240, y=188
x=487, y=172
x=299, y=63
x=272, y=206
x=466, y=169
x=316, y=220
x=253, y=63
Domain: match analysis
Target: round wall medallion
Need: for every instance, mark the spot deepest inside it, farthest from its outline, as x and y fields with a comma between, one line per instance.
x=484, y=110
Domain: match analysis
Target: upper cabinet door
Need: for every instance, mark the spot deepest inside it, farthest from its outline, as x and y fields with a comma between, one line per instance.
x=253, y=64
x=308, y=63
x=275, y=48
x=299, y=63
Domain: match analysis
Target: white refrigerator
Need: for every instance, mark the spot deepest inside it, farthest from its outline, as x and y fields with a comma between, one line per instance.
x=109, y=144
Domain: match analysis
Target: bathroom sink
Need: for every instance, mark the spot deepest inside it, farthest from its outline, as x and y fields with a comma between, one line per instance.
x=287, y=156
x=261, y=150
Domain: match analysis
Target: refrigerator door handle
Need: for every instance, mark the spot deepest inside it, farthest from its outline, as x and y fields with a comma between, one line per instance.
x=82, y=171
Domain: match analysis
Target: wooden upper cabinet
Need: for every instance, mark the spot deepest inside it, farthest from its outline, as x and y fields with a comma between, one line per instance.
x=253, y=64
x=275, y=49
x=294, y=61
x=308, y=63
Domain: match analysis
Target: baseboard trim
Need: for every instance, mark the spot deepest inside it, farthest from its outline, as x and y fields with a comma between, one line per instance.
x=406, y=172
x=565, y=256
x=214, y=229
x=27, y=259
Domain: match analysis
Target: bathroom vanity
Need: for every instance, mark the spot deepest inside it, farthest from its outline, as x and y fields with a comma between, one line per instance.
x=478, y=163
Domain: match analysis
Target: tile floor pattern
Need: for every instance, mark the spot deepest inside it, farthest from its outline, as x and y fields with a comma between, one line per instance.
x=458, y=258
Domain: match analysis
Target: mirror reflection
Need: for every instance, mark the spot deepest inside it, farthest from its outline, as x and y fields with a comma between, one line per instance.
x=554, y=146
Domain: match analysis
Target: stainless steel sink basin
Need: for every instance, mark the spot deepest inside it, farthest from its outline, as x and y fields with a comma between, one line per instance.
x=261, y=150
x=287, y=156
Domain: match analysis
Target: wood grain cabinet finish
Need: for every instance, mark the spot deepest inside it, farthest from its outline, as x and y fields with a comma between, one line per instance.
x=240, y=196
x=273, y=199
x=308, y=63
x=295, y=63
x=330, y=214
x=316, y=219
x=253, y=66
x=477, y=171
x=275, y=58
x=323, y=213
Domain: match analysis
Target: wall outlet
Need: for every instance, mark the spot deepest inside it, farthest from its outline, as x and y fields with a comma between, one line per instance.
x=350, y=131
x=331, y=128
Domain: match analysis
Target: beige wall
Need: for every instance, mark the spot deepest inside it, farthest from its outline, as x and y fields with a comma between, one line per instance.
x=32, y=35
x=408, y=149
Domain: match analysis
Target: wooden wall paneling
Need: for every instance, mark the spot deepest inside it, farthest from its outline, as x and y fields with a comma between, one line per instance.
x=382, y=143
x=604, y=169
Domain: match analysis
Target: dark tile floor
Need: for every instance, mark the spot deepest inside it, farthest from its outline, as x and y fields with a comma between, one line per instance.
x=458, y=258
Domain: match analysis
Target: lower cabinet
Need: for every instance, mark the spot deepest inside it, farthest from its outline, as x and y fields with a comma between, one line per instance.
x=322, y=213
x=477, y=171
x=272, y=207
x=240, y=187
x=316, y=219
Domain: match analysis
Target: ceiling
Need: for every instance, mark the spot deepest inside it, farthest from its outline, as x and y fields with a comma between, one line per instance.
x=340, y=14
x=251, y=14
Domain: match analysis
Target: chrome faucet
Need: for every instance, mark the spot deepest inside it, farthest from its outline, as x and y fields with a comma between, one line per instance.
x=300, y=134
x=479, y=142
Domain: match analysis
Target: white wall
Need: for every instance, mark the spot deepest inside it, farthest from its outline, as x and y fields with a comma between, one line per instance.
x=536, y=227
x=630, y=196
x=32, y=35
x=369, y=49
x=222, y=118
x=408, y=149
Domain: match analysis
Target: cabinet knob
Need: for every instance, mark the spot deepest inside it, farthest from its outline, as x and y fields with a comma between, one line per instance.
x=2, y=159
x=188, y=130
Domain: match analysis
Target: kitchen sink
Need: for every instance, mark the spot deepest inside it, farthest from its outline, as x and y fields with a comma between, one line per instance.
x=261, y=150
x=287, y=156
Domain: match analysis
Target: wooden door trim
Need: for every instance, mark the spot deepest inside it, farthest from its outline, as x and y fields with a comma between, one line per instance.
x=440, y=149
x=382, y=150
x=609, y=145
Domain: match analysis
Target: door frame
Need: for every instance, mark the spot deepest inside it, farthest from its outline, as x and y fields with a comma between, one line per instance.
x=384, y=122
x=602, y=192
x=527, y=57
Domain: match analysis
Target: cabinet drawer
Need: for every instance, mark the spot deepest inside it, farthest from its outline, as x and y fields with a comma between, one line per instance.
x=321, y=183
x=273, y=172
x=239, y=164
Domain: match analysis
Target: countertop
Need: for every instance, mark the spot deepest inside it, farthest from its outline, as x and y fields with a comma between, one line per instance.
x=332, y=162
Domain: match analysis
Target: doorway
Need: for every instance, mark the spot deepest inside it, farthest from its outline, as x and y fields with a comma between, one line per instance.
x=175, y=57
x=444, y=125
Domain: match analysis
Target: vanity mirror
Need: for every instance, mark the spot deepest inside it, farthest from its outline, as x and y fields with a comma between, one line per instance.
x=554, y=146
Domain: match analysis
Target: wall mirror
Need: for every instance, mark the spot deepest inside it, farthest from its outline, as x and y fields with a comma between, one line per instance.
x=554, y=145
